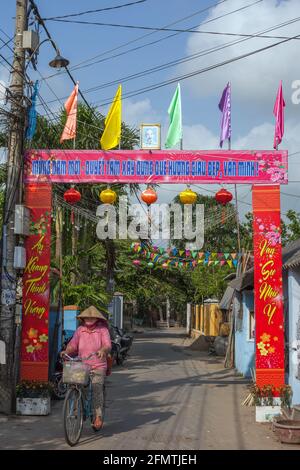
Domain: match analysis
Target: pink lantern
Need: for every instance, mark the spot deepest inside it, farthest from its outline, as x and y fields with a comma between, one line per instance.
x=136, y=262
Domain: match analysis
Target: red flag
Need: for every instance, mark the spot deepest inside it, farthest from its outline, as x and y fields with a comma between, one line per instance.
x=278, y=112
x=69, y=131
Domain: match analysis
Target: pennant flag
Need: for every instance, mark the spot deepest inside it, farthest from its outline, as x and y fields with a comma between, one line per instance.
x=161, y=250
x=210, y=262
x=200, y=261
x=278, y=112
x=205, y=261
x=233, y=255
x=225, y=108
x=235, y=262
x=194, y=254
x=112, y=132
x=181, y=252
x=176, y=264
x=229, y=262
x=32, y=113
x=226, y=255
x=220, y=255
x=213, y=255
x=200, y=255
x=175, y=251
x=69, y=131
x=222, y=262
x=174, y=135
x=217, y=262
x=187, y=253
x=207, y=254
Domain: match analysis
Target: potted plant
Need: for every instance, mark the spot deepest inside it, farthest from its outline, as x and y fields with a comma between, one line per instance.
x=33, y=397
x=269, y=400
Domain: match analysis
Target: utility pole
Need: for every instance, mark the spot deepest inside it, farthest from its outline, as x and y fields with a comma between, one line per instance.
x=13, y=194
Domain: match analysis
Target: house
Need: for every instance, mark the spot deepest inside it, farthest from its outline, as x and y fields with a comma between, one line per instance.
x=239, y=297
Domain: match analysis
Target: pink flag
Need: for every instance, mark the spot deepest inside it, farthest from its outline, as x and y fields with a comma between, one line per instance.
x=278, y=112
x=69, y=131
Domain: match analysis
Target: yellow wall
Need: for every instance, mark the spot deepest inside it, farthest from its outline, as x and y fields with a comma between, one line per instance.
x=207, y=319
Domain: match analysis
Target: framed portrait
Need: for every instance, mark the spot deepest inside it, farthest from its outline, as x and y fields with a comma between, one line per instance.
x=150, y=136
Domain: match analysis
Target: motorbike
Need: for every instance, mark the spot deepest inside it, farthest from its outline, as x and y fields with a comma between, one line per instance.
x=121, y=342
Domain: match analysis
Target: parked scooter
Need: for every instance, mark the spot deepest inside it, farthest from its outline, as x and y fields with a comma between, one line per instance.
x=122, y=343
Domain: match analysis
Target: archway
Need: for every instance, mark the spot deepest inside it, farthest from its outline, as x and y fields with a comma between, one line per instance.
x=265, y=170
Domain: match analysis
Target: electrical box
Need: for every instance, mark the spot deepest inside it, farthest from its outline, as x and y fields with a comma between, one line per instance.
x=19, y=257
x=30, y=40
x=22, y=220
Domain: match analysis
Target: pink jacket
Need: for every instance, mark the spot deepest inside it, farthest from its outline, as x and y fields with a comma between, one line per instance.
x=89, y=340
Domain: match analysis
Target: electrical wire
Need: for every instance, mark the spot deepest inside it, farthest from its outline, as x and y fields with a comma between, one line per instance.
x=191, y=57
x=95, y=11
x=80, y=64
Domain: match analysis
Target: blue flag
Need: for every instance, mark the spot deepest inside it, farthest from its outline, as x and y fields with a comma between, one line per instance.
x=32, y=113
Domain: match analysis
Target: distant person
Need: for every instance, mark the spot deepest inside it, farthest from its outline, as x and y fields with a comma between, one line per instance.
x=92, y=336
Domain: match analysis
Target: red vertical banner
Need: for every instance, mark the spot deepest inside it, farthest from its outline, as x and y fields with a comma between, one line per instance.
x=36, y=284
x=269, y=324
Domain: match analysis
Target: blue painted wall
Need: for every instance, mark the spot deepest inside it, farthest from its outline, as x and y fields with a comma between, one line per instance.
x=294, y=332
x=244, y=347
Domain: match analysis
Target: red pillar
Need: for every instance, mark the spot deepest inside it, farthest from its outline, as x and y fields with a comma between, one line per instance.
x=36, y=284
x=268, y=286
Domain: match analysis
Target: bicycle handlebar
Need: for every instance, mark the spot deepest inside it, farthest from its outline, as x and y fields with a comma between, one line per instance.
x=79, y=359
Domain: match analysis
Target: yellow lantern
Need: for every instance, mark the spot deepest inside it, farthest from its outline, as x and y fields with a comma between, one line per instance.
x=188, y=196
x=108, y=196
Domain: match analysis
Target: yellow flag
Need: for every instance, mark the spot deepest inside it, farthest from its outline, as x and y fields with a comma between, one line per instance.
x=112, y=132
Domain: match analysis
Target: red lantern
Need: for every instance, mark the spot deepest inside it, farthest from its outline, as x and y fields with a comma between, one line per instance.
x=223, y=197
x=72, y=196
x=149, y=196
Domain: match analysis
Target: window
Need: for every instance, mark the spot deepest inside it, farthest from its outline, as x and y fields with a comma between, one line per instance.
x=251, y=331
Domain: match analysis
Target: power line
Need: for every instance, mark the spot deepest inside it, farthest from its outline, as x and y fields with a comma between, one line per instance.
x=197, y=72
x=41, y=22
x=80, y=64
x=186, y=58
x=94, y=11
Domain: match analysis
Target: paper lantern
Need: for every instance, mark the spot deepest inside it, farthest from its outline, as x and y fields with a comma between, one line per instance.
x=149, y=196
x=164, y=265
x=108, y=196
x=150, y=265
x=188, y=196
x=223, y=196
x=136, y=262
x=72, y=196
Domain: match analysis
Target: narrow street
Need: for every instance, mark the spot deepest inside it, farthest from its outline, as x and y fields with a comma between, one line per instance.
x=165, y=397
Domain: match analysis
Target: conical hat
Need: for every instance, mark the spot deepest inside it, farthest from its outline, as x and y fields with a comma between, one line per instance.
x=91, y=312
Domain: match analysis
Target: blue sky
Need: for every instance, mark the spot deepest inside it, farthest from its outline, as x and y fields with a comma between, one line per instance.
x=254, y=79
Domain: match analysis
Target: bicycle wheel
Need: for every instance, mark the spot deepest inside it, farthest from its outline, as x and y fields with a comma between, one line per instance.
x=73, y=416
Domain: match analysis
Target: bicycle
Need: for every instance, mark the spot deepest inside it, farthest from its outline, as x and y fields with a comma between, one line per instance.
x=78, y=404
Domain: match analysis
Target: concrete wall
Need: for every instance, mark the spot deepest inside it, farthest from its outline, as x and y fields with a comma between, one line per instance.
x=294, y=332
x=244, y=346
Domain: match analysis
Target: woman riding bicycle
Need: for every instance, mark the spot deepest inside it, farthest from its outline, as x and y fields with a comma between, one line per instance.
x=90, y=338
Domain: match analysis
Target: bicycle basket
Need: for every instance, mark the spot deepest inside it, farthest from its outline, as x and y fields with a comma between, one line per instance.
x=76, y=373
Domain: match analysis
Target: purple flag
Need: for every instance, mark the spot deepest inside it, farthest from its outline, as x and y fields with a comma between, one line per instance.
x=225, y=108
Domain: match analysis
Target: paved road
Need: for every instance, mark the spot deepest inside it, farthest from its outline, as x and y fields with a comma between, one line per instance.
x=165, y=397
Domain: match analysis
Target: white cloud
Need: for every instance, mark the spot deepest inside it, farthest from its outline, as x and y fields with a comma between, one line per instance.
x=137, y=112
x=254, y=79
